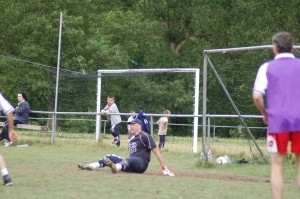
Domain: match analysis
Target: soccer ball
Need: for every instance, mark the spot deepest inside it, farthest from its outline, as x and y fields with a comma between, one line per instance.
x=223, y=160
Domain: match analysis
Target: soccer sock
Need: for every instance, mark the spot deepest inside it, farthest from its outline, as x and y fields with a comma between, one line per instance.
x=95, y=165
x=118, y=166
x=101, y=162
x=4, y=173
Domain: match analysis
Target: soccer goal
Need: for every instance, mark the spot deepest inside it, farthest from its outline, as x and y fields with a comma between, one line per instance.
x=135, y=72
x=227, y=101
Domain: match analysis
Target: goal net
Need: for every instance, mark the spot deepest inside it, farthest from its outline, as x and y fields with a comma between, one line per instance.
x=147, y=90
x=231, y=122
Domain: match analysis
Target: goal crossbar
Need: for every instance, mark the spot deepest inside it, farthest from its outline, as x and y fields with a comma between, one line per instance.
x=240, y=49
x=196, y=71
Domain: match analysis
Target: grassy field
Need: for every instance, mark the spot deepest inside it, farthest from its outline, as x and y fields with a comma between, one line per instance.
x=46, y=171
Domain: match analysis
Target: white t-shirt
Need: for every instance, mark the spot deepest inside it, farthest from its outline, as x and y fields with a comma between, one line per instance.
x=163, y=125
x=5, y=106
x=261, y=81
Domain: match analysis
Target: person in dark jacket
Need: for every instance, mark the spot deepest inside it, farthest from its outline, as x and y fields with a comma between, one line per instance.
x=20, y=117
x=145, y=121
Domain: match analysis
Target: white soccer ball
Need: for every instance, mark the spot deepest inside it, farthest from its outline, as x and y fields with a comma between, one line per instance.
x=222, y=160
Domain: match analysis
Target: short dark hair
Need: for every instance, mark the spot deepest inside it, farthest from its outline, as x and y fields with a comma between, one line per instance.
x=111, y=96
x=283, y=41
x=23, y=95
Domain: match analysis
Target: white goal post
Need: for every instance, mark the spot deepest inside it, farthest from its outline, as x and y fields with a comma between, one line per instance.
x=155, y=70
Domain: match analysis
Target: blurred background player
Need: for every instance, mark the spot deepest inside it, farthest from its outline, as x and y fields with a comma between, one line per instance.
x=114, y=120
x=163, y=128
x=140, y=147
x=144, y=119
x=7, y=109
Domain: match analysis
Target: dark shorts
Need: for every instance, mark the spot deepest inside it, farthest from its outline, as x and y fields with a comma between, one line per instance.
x=136, y=164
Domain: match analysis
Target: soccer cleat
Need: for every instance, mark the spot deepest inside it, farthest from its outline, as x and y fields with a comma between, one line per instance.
x=8, y=143
x=116, y=142
x=84, y=166
x=111, y=165
x=8, y=182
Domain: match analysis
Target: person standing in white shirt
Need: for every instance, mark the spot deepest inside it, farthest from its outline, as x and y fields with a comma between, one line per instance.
x=163, y=128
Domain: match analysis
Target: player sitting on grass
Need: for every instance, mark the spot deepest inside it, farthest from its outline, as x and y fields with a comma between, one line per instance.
x=140, y=147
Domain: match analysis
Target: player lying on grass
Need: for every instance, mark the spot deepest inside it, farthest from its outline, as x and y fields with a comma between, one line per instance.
x=140, y=147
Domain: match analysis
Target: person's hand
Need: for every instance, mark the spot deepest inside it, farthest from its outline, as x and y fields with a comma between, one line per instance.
x=12, y=136
x=167, y=172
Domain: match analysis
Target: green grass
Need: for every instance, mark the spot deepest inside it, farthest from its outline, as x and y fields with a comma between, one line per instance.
x=50, y=171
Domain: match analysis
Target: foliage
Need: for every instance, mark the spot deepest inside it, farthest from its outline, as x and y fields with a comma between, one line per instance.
x=102, y=34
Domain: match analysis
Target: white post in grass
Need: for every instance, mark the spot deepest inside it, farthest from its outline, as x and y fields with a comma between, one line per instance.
x=196, y=110
x=98, y=102
x=53, y=132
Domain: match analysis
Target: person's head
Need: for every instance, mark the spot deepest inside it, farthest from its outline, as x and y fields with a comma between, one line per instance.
x=132, y=113
x=22, y=96
x=167, y=112
x=110, y=100
x=135, y=126
x=282, y=43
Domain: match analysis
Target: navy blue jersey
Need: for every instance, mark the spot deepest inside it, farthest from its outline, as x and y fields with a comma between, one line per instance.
x=141, y=145
x=145, y=121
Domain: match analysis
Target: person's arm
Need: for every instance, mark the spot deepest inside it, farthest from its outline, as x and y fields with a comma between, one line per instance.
x=11, y=132
x=258, y=100
x=165, y=124
x=158, y=121
x=160, y=158
x=103, y=111
x=21, y=109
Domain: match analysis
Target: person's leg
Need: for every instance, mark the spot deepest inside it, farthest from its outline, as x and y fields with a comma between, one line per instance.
x=5, y=130
x=4, y=172
x=131, y=164
x=116, y=133
x=100, y=163
x=277, y=148
x=298, y=169
x=276, y=175
x=163, y=140
x=2, y=134
x=295, y=148
x=134, y=164
x=160, y=141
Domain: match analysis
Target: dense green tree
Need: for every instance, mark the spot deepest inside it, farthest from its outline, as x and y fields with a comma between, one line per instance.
x=130, y=34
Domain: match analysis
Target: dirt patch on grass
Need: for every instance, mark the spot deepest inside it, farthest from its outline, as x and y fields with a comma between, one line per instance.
x=224, y=176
